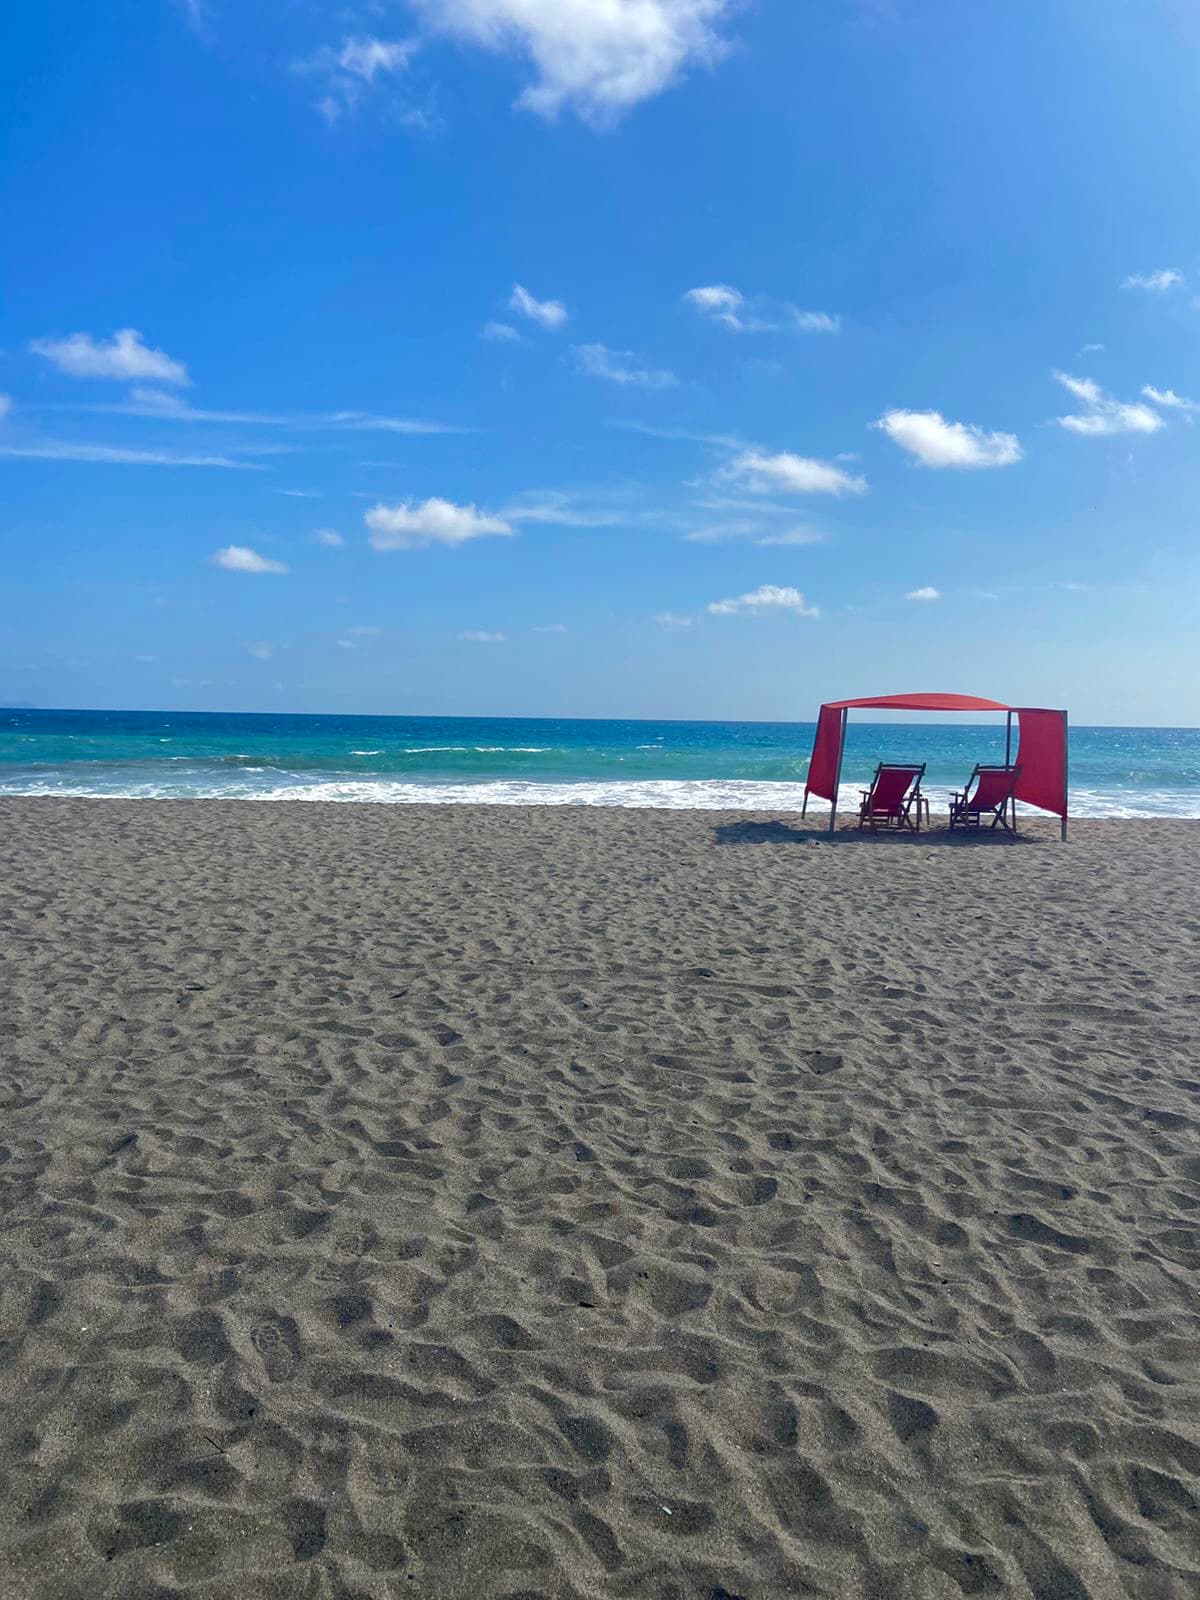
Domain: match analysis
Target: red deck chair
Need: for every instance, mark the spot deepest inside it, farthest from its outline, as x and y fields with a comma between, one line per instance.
x=991, y=797
x=889, y=802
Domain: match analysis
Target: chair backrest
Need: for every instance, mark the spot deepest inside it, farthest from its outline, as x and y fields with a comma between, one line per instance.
x=994, y=787
x=891, y=783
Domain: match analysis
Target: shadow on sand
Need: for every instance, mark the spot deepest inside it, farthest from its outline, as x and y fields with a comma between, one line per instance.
x=757, y=832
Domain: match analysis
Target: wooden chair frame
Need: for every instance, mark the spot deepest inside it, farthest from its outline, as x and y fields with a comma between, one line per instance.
x=903, y=814
x=964, y=815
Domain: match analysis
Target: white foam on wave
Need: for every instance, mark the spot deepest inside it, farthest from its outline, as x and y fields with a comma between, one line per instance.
x=712, y=794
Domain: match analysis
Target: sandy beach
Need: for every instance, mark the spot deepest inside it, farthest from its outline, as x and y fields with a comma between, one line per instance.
x=500, y=1203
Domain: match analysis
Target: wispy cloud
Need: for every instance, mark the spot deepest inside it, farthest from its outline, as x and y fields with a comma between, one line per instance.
x=787, y=473
x=482, y=636
x=413, y=525
x=499, y=333
x=6, y=406
x=1102, y=414
x=327, y=536
x=718, y=441
x=240, y=558
x=1169, y=399
x=768, y=597
x=672, y=619
x=153, y=404
x=1157, y=282
x=596, y=59
x=123, y=357
x=928, y=592
x=935, y=442
x=621, y=366
x=300, y=494
x=261, y=651
x=349, y=72
x=558, y=510
x=103, y=454
x=720, y=302
x=551, y=627
x=546, y=313
x=194, y=15
x=752, y=528
x=793, y=536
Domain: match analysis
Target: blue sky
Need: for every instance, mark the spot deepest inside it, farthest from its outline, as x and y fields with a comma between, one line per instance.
x=649, y=358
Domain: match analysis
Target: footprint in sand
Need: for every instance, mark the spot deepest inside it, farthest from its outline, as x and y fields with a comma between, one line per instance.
x=278, y=1344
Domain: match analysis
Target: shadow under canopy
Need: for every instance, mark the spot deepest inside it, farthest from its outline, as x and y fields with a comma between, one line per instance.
x=1041, y=752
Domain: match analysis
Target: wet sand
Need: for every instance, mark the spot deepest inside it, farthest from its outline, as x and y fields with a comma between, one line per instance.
x=496, y=1203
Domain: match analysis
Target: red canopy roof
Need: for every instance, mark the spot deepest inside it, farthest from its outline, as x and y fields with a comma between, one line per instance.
x=923, y=702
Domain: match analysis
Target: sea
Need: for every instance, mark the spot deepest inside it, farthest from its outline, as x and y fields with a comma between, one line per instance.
x=184, y=755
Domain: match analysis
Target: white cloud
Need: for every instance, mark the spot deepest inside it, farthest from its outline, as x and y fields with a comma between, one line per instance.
x=938, y=443
x=1168, y=398
x=327, y=536
x=768, y=597
x=791, y=474
x=300, y=494
x=124, y=358
x=64, y=450
x=350, y=73
x=620, y=366
x=345, y=644
x=671, y=619
x=595, y=57
x=1090, y=349
x=720, y=302
x=262, y=651
x=481, y=636
x=551, y=627
x=547, y=313
x=927, y=593
x=499, y=333
x=816, y=322
x=6, y=405
x=1103, y=414
x=240, y=558
x=1156, y=282
x=412, y=525
x=145, y=660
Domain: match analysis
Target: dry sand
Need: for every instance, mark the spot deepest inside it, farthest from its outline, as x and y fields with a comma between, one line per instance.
x=483, y=1202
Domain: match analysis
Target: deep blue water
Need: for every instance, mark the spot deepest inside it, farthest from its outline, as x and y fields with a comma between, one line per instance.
x=1114, y=771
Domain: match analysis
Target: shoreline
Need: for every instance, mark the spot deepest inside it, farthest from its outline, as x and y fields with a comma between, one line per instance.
x=1028, y=820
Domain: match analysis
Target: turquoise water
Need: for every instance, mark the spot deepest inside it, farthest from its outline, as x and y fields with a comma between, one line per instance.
x=746, y=765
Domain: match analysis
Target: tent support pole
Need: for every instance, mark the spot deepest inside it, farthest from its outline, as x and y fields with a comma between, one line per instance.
x=1008, y=762
x=1066, y=778
x=837, y=781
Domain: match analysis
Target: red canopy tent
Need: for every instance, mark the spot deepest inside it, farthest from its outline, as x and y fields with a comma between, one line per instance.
x=1041, y=753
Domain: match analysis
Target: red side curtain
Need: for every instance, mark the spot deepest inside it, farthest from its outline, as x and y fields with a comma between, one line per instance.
x=1042, y=756
x=826, y=754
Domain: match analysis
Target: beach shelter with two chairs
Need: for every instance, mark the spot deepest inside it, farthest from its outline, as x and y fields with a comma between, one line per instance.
x=1038, y=776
